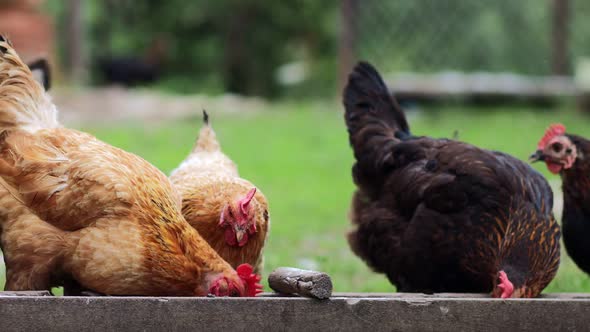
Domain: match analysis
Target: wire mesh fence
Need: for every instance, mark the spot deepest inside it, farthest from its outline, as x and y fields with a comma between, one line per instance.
x=530, y=37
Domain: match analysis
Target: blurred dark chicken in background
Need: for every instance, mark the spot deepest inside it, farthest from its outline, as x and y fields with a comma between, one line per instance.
x=131, y=71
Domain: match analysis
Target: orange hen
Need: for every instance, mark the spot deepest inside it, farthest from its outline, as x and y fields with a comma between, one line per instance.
x=81, y=208
x=228, y=211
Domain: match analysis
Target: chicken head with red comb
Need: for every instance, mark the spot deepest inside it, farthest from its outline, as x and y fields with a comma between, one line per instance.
x=238, y=220
x=556, y=129
x=556, y=149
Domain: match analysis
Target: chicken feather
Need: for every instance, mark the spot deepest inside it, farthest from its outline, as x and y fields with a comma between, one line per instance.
x=437, y=215
x=85, y=210
x=208, y=182
x=566, y=154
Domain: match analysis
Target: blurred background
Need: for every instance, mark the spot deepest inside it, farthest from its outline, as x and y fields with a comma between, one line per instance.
x=137, y=74
x=300, y=48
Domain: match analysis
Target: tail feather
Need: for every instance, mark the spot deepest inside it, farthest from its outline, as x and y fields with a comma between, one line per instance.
x=41, y=67
x=374, y=119
x=23, y=102
x=207, y=140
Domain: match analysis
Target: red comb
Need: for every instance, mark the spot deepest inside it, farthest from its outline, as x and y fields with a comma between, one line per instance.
x=246, y=200
x=555, y=129
x=250, y=279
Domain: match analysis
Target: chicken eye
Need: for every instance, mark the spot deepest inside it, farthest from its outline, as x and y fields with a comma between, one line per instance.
x=234, y=293
x=557, y=147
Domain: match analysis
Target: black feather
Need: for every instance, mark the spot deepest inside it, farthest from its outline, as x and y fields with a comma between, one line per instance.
x=42, y=66
x=375, y=122
x=576, y=205
x=5, y=40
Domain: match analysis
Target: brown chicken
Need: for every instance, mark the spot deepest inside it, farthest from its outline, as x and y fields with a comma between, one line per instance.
x=567, y=155
x=104, y=217
x=228, y=211
x=438, y=215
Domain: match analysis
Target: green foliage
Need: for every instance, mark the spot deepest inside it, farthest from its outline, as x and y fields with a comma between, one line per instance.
x=298, y=155
x=229, y=45
x=238, y=45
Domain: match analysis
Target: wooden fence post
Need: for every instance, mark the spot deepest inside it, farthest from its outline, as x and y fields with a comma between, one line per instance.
x=347, y=48
x=559, y=37
x=74, y=38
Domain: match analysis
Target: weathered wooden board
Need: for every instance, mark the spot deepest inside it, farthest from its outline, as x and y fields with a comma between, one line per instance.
x=343, y=312
x=25, y=293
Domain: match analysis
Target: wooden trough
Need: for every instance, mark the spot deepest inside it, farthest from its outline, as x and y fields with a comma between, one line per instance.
x=342, y=312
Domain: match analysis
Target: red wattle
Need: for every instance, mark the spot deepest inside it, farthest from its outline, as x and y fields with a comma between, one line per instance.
x=230, y=237
x=554, y=167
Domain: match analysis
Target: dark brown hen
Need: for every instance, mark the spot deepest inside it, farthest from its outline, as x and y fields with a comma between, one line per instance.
x=567, y=155
x=438, y=215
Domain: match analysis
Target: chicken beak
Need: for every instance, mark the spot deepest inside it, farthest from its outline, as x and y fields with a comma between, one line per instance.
x=240, y=235
x=537, y=156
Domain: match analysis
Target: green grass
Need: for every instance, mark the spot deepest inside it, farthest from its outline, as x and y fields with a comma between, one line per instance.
x=298, y=154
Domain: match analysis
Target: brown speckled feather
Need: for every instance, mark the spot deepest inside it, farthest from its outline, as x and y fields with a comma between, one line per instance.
x=21, y=233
